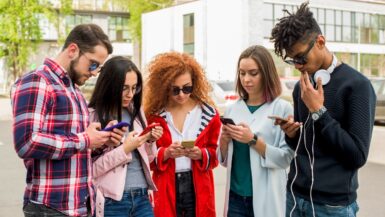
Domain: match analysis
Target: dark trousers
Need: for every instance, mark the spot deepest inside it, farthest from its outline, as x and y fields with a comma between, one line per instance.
x=40, y=210
x=240, y=206
x=185, y=195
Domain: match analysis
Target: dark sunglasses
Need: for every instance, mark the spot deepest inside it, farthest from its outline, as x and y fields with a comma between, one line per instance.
x=93, y=64
x=302, y=60
x=184, y=89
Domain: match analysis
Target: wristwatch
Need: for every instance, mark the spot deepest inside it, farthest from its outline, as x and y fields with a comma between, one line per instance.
x=254, y=140
x=317, y=114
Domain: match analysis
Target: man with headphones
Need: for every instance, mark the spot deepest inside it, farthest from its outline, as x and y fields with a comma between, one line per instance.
x=334, y=107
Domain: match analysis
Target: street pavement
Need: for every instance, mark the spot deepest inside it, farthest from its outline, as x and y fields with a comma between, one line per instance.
x=371, y=193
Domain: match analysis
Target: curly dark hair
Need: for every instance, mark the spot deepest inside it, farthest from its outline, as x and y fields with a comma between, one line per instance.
x=293, y=28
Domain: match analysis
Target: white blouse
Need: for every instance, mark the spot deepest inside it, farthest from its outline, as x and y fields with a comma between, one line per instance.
x=190, y=132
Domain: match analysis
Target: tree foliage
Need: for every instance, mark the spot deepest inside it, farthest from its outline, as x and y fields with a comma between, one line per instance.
x=137, y=8
x=21, y=30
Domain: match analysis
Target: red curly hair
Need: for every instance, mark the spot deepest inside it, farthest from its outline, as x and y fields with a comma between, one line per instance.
x=162, y=72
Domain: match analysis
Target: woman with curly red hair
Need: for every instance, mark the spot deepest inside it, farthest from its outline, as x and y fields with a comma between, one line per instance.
x=176, y=96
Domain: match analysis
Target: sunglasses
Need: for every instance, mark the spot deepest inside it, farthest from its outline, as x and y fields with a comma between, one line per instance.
x=93, y=64
x=185, y=89
x=302, y=60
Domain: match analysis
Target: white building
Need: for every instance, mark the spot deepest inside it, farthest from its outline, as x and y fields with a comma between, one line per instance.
x=216, y=31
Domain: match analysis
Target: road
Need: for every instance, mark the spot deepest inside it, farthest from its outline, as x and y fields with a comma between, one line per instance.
x=371, y=193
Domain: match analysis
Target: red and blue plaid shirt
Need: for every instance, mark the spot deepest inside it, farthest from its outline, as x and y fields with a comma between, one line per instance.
x=50, y=117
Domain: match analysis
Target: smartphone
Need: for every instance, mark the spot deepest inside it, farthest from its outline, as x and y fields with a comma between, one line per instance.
x=275, y=117
x=148, y=128
x=118, y=125
x=227, y=121
x=188, y=143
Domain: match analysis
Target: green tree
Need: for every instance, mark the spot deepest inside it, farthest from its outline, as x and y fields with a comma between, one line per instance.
x=20, y=30
x=137, y=8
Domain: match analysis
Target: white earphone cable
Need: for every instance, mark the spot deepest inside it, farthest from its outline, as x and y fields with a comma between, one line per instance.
x=295, y=162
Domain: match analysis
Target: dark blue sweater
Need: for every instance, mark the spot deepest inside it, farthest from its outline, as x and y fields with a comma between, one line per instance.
x=342, y=138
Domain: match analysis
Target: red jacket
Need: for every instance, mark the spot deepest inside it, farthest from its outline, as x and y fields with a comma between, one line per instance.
x=164, y=172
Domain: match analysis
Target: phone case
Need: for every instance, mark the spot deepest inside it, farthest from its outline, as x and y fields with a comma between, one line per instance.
x=188, y=143
x=227, y=121
x=118, y=125
x=148, y=128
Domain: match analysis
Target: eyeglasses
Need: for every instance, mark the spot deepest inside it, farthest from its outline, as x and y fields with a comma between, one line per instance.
x=134, y=89
x=302, y=60
x=93, y=64
x=185, y=89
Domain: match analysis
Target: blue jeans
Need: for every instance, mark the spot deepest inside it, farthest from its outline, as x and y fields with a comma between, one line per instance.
x=303, y=208
x=240, y=206
x=135, y=203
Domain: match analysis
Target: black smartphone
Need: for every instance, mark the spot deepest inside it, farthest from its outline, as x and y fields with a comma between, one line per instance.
x=227, y=121
x=118, y=125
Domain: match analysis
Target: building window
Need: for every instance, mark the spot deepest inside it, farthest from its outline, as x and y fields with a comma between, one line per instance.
x=118, y=29
x=73, y=20
x=336, y=25
x=47, y=28
x=188, y=34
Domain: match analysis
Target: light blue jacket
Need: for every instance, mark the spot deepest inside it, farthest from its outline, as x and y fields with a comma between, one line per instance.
x=268, y=174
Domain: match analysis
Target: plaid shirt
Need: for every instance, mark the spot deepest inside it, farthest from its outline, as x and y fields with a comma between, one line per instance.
x=50, y=117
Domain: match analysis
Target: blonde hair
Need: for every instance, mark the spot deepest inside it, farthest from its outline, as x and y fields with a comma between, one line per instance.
x=163, y=70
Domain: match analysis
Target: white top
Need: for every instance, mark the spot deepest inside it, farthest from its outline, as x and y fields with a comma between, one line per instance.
x=190, y=132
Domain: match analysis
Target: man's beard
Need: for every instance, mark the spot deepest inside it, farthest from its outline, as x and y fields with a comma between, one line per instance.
x=75, y=75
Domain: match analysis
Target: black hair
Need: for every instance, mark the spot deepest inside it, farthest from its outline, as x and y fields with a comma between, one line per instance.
x=107, y=96
x=296, y=27
x=86, y=37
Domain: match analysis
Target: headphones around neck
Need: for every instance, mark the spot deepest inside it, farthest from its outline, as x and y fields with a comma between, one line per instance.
x=324, y=74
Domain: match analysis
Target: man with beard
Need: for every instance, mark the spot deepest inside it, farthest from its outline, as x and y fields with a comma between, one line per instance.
x=51, y=126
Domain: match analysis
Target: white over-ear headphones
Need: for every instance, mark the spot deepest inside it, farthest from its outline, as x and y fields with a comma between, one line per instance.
x=324, y=74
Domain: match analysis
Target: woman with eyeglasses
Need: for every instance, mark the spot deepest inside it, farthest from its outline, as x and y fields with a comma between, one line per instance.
x=122, y=174
x=253, y=149
x=176, y=96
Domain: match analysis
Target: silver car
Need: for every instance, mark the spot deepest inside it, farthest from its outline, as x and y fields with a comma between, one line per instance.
x=223, y=94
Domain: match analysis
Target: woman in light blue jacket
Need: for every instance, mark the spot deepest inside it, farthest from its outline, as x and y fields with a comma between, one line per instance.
x=254, y=150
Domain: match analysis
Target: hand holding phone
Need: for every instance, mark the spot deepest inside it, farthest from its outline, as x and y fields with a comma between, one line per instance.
x=227, y=121
x=118, y=125
x=149, y=128
x=275, y=117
